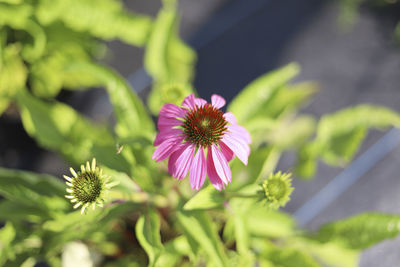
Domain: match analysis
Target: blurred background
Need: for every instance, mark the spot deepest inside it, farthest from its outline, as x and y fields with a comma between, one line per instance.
x=351, y=52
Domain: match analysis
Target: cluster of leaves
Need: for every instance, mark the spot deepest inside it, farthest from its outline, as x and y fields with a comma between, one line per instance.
x=153, y=219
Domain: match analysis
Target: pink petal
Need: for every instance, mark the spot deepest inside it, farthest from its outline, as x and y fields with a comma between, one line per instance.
x=167, y=148
x=189, y=102
x=240, y=132
x=230, y=118
x=228, y=153
x=238, y=147
x=212, y=173
x=167, y=123
x=172, y=111
x=181, y=160
x=167, y=134
x=217, y=101
x=221, y=164
x=198, y=169
x=200, y=102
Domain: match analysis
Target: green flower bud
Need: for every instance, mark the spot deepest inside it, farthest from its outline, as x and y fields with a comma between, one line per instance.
x=87, y=186
x=276, y=190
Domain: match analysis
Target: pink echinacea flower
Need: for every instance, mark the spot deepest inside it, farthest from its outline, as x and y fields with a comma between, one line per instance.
x=199, y=138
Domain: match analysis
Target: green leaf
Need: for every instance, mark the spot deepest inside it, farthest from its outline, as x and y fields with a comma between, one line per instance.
x=12, y=74
x=288, y=133
x=289, y=257
x=263, y=222
x=58, y=127
x=31, y=196
x=332, y=254
x=339, y=135
x=7, y=235
x=132, y=118
x=207, y=198
x=259, y=92
x=289, y=99
x=360, y=231
x=105, y=19
x=173, y=93
x=148, y=235
x=174, y=251
x=167, y=58
x=199, y=228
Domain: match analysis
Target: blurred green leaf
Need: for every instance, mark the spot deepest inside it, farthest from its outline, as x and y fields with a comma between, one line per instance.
x=132, y=118
x=340, y=134
x=241, y=229
x=288, y=132
x=7, y=235
x=57, y=126
x=288, y=99
x=173, y=93
x=289, y=257
x=12, y=74
x=332, y=254
x=263, y=222
x=105, y=19
x=15, y=15
x=207, y=198
x=174, y=251
x=148, y=235
x=19, y=17
x=200, y=229
x=259, y=92
x=360, y=231
x=167, y=58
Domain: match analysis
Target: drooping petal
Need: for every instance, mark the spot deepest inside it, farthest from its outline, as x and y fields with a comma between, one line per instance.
x=198, y=170
x=217, y=101
x=167, y=148
x=167, y=134
x=221, y=164
x=212, y=173
x=230, y=118
x=172, y=111
x=167, y=123
x=182, y=160
x=228, y=153
x=240, y=149
x=240, y=132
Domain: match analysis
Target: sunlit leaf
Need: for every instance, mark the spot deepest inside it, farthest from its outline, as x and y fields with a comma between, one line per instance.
x=167, y=58
x=148, y=235
x=340, y=134
x=132, y=117
x=206, y=198
x=260, y=91
x=58, y=127
x=361, y=231
x=289, y=257
x=12, y=74
x=7, y=235
x=104, y=19
x=199, y=228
